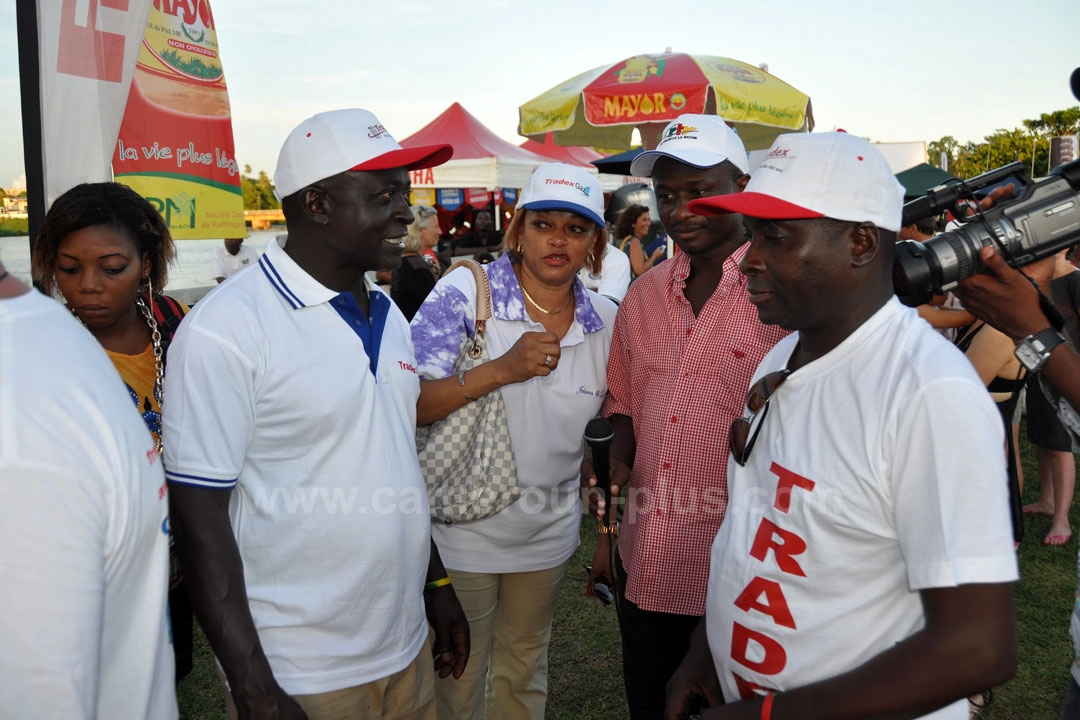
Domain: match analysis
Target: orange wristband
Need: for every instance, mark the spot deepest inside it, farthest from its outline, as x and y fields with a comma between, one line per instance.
x=766, y=706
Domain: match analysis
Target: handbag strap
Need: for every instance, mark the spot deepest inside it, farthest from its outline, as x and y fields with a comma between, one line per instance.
x=483, y=292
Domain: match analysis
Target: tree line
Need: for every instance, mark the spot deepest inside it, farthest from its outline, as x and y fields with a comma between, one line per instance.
x=258, y=191
x=1029, y=144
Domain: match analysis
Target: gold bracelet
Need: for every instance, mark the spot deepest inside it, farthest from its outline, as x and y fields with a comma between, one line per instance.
x=436, y=584
x=612, y=529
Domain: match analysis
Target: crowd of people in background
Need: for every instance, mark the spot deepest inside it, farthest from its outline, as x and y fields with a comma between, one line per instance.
x=814, y=485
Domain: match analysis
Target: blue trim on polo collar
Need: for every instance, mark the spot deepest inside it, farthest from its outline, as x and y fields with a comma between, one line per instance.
x=277, y=283
x=291, y=281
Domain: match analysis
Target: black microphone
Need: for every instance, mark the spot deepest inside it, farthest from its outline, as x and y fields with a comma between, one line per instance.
x=1074, y=83
x=599, y=434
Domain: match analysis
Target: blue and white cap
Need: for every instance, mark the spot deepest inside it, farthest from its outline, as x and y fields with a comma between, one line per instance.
x=558, y=186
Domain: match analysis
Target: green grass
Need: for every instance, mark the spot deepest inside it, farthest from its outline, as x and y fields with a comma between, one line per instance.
x=585, y=681
x=1044, y=601
x=14, y=227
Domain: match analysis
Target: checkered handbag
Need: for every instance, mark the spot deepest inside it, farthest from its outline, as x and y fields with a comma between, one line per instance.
x=467, y=458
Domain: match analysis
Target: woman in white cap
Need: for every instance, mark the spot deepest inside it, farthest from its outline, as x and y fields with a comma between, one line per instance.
x=549, y=338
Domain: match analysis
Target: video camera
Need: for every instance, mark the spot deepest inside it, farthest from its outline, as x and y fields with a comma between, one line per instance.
x=1038, y=220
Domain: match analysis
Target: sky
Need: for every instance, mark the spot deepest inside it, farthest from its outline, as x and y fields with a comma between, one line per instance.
x=889, y=70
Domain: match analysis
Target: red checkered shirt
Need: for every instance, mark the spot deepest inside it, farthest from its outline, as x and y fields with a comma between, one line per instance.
x=682, y=379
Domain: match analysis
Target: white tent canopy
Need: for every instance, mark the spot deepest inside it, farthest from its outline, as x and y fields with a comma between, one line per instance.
x=481, y=158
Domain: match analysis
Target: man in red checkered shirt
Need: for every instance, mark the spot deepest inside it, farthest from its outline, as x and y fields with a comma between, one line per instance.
x=685, y=345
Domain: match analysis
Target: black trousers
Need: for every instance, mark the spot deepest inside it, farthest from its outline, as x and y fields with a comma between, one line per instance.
x=653, y=646
x=181, y=627
x=1072, y=702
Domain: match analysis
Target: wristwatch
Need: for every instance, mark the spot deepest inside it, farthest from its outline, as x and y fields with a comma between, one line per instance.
x=1034, y=350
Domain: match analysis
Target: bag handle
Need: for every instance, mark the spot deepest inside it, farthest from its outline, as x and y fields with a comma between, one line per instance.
x=483, y=301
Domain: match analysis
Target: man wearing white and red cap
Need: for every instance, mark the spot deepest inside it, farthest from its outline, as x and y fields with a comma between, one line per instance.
x=686, y=342
x=871, y=573
x=299, y=508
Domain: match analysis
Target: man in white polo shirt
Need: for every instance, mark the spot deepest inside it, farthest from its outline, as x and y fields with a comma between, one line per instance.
x=865, y=564
x=300, y=511
x=231, y=257
x=84, y=534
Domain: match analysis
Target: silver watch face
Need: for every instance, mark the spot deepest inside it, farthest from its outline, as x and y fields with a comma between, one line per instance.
x=1028, y=356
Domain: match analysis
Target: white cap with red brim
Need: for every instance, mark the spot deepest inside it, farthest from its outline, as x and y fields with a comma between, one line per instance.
x=334, y=142
x=814, y=175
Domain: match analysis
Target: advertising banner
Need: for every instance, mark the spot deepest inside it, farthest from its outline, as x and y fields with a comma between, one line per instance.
x=422, y=196
x=449, y=198
x=477, y=197
x=86, y=54
x=175, y=145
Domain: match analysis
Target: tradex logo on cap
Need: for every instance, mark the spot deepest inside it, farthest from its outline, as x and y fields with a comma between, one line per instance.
x=558, y=186
x=814, y=175
x=334, y=142
x=583, y=189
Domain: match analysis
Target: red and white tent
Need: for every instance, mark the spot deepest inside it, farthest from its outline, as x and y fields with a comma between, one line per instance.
x=571, y=154
x=481, y=158
x=574, y=155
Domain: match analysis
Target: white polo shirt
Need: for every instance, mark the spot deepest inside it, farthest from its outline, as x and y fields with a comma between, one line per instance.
x=224, y=263
x=546, y=417
x=270, y=392
x=615, y=274
x=84, y=543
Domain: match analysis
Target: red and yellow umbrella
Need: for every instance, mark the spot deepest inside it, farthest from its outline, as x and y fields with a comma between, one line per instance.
x=600, y=108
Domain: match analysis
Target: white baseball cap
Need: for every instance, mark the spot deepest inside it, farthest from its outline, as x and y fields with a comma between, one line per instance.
x=558, y=186
x=698, y=140
x=814, y=175
x=332, y=142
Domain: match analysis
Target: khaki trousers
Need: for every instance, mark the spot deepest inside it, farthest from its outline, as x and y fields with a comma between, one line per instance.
x=510, y=626
x=406, y=695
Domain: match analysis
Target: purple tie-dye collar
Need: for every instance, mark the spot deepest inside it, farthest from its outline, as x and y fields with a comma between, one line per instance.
x=508, y=303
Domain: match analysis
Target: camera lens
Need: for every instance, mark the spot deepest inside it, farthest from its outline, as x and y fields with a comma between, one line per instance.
x=924, y=269
x=913, y=273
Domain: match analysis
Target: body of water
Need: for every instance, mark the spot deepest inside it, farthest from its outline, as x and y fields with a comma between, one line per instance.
x=193, y=258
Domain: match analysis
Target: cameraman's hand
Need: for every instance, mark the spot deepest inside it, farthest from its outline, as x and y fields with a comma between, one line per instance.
x=1004, y=298
x=998, y=193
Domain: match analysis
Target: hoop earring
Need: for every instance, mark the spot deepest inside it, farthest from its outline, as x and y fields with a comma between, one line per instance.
x=150, y=287
x=518, y=251
x=590, y=258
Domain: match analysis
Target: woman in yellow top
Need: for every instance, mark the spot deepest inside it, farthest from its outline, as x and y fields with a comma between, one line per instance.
x=105, y=248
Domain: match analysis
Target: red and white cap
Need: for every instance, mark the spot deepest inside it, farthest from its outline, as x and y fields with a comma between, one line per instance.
x=333, y=142
x=698, y=140
x=558, y=186
x=815, y=175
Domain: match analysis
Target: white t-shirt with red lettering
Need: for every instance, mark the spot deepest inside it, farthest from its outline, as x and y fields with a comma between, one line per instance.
x=878, y=472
